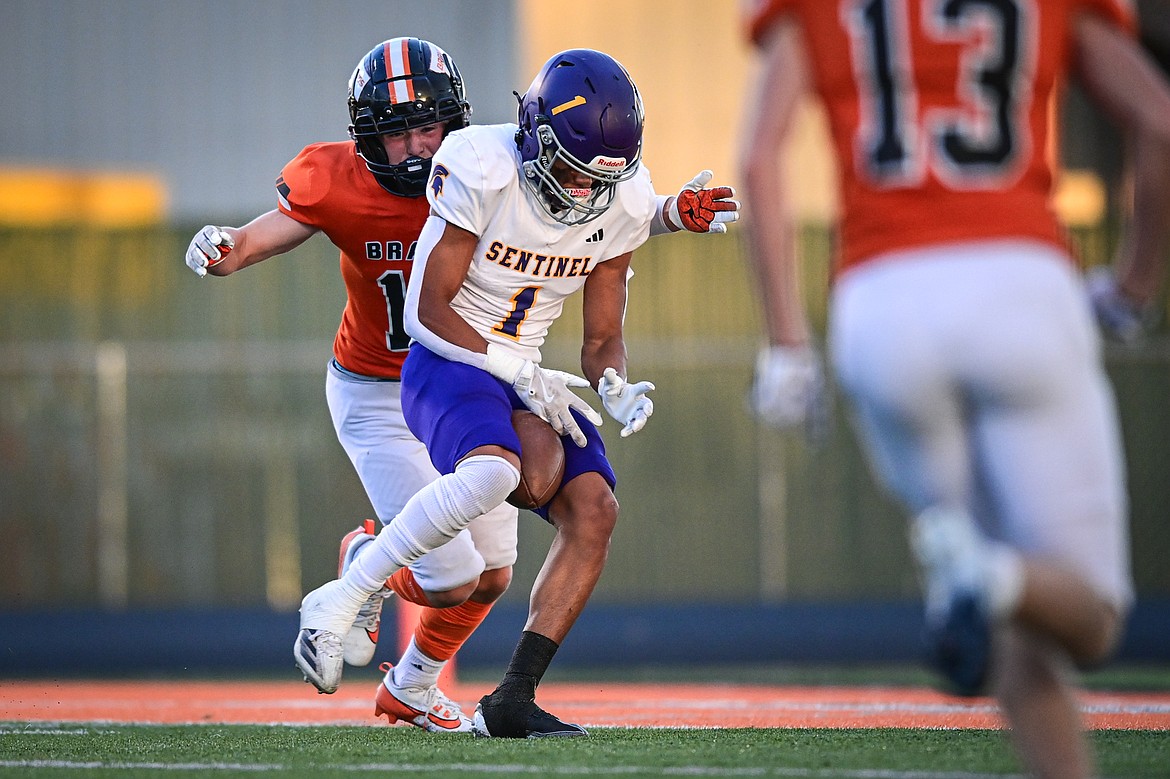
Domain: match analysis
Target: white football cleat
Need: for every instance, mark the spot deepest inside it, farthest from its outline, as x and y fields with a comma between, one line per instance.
x=424, y=707
x=362, y=638
x=327, y=613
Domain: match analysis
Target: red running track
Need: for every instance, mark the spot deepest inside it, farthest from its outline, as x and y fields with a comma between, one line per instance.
x=601, y=704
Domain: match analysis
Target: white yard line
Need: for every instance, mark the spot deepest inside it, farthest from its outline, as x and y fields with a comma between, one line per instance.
x=512, y=770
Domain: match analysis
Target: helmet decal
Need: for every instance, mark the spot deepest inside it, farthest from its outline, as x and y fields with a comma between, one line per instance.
x=361, y=77
x=576, y=101
x=439, y=174
x=438, y=60
x=397, y=56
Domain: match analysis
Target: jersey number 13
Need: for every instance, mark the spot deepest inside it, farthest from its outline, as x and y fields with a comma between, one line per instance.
x=981, y=142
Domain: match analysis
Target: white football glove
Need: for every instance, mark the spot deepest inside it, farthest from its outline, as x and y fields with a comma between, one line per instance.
x=544, y=392
x=208, y=248
x=788, y=390
x=1119, y=318
x=625, y=402
x=700, y=210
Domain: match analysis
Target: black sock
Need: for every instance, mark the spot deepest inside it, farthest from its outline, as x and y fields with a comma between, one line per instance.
x=530, y=660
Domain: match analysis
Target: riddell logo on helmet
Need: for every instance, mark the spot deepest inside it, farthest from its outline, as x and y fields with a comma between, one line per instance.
x=360, y=78
x=612, y=163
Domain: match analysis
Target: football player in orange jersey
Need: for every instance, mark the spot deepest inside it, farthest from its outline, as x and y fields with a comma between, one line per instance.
x=959, y=327
x=405, y=96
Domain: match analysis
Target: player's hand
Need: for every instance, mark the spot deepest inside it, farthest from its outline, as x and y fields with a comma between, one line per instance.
x=702, y=210
x=625, y=402
x=1118, y=317
x=544, y=392
x=547, y=394
x=208, y=248
x=788, y=390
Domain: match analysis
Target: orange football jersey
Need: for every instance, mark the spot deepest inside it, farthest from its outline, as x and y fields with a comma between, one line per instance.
x=939, y=112
x=328, y=186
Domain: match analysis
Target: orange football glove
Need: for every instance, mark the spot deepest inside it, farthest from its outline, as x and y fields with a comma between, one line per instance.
x=700, y=210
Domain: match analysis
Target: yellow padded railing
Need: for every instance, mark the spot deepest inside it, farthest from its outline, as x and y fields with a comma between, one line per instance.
x=51, y=197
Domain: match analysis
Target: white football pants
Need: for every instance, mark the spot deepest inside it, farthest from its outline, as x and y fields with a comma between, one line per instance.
x=393, y=465
x=976, y=379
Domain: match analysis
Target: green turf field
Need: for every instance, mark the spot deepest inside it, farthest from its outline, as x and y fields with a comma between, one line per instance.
x=38, y=750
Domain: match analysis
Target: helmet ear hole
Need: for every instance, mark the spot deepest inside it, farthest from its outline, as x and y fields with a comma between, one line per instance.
x=373, y=151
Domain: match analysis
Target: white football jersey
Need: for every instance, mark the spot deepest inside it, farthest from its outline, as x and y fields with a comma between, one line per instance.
x=525, y=263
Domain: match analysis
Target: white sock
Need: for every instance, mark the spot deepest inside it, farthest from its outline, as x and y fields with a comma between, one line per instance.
x=357, y=550
x=414, y=669
x=1004, y=574
x=433, y=516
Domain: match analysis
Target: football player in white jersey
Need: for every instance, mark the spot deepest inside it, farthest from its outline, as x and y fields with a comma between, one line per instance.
x=521, y=217
x=369, y=196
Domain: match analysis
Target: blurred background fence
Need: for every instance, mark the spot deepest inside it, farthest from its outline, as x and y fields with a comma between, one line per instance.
x=164, y=440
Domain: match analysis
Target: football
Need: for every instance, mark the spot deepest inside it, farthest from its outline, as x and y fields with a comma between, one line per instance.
x=542, y=461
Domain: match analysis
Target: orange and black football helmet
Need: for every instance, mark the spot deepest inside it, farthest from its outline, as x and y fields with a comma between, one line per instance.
x=401, y=84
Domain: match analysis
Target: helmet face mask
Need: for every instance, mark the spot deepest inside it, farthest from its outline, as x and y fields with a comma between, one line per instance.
x=400, y=85
x=581, y=115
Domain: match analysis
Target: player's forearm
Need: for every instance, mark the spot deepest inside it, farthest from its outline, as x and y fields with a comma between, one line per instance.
x=1141, y=258
x=430, y=320
x=243, y=253
x=772, y=255
x=440, y=322
x=266, y=236
x=441, y=267
x=599, y=354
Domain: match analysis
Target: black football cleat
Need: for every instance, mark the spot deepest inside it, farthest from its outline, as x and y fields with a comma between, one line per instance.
x=960, y=646
x=519, y=719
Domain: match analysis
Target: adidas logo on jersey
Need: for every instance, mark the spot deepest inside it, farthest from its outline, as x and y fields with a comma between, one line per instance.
x=597, y=236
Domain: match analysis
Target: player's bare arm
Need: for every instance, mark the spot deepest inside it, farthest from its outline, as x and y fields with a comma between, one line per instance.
x=1121, y=77
x=221, y=251
x=446, y=268
x=1123, y=80
x=603, y=350
x=787, y=386
x=603, y=306
x=778, y=92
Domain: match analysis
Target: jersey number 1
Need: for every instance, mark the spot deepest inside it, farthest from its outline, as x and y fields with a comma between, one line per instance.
x=521, y=302
x=393, y=284
x=971, y=146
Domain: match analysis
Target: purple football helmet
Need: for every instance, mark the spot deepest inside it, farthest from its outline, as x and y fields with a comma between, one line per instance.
x=401, y=84
x=583, y=111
